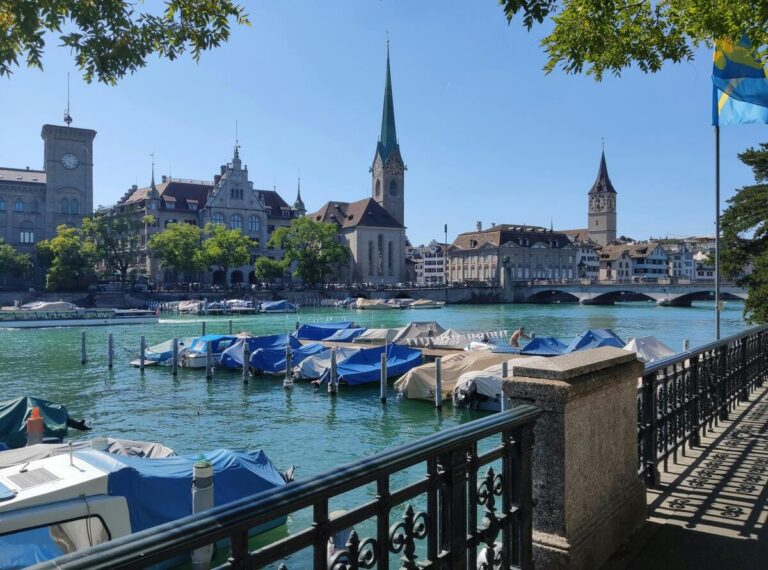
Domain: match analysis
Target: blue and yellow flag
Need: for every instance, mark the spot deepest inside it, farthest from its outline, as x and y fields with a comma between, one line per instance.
x=740, y=93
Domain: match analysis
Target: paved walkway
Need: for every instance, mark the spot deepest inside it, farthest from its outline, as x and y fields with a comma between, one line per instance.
x=711, y=511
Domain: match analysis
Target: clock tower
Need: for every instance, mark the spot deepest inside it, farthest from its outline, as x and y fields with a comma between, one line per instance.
x=68, y=166
x=602, y=207
x=388, y=169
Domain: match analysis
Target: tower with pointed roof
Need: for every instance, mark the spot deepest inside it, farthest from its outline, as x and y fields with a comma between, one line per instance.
x=388, y=169
x=298, y=205
x=602, y=207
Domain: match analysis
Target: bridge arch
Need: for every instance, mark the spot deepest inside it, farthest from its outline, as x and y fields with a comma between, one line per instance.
x=616, y=296
x=552, y=296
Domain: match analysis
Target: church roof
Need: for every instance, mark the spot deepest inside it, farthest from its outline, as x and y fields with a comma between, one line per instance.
x=365, y=212
x=603, y=182
x=173, y=190
x=273, y=200
x=388, y=137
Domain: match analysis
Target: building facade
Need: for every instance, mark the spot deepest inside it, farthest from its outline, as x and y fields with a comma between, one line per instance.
x=373, y=228
x=529, y=252
x=429, y=262
x=230, y=199
x=637, y=262
x=34, y=202
x=602, y=207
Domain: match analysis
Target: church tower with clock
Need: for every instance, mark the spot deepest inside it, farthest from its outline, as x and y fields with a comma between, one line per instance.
x=602, y=207
x=388, y=169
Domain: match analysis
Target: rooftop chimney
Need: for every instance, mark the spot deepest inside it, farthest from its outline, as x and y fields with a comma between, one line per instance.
x=164, y=178
x=216, y=178
x=479, y=226
x=134, y=187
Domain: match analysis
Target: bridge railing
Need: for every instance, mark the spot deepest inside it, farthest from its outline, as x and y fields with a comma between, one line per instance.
x=456, y=513
x=682, y=397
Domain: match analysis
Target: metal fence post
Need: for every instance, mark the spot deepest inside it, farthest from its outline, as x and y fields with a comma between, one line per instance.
x=744, y=372
x=722, y=382
x=650, y=422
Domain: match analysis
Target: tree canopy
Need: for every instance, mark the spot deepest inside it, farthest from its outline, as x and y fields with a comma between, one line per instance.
x=116, y=241
x=225, y=247
x=311, y=248
x=13, y=262
x=110, y=39
x=178, y=248
x=608, y=36
x=745, y=236
x=69, y=258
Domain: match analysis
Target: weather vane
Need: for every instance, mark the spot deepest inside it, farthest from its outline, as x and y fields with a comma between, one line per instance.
x=67, y=116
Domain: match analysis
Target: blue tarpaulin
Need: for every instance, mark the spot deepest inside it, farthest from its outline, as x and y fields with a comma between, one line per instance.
x=278, y=307
x=321, y=331
x=544, y=346
x=346, y=335
x=272, y=360
x=160, y=490
x=233, y=356
x=13, y=420
x=219, y=343
x=594, y=338
x=365, y=366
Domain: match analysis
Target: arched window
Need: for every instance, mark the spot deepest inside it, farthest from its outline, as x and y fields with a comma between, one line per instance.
x=27, y=233
x=74, y=206
x=217, y=218
x=19, y=206
x=236, y=222
x=253, y=224
x=378, y=188
x=64, y=206
x=381, y=255
x=393, y=188
x=370, y=258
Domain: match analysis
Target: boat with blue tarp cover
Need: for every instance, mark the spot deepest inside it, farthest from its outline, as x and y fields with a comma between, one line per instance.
x=13, y=421
x=544, y=346
x=195, y=355
x=273, y=360
x=277, y=307
x=321, y=331
x=232, y=357
x=65, y=503
x=595, y=338
x=364, y=367
x=346, y=335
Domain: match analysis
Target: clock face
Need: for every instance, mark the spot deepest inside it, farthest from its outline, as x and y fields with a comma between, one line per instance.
x=69, y=161
x=394, y=167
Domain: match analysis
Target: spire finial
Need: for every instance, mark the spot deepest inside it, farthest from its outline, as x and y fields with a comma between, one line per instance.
x=67, y=116
x=602, y=140
x=152, y=185
x=387, y=43
x=237, y=142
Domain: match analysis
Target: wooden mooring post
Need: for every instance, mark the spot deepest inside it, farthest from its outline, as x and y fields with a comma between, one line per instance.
x=438, y=383
x=175, y=357
x=110, y=350
x=83, y=353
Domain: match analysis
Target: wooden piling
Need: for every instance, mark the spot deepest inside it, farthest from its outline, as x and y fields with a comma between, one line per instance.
x=208, y=360
x=175, y=357
x=230, y=326
x=110, y=350
x=203, y=327
x=438, y=383
x=383, y=388
x=288, y=381
x=83, y=353
x=333, y=387
x=246, y=362
x=142, y=352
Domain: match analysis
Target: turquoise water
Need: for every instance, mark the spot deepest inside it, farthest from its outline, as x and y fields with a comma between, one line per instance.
x=302, y=427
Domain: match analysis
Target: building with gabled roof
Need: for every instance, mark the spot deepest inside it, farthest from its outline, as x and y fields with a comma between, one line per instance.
x=643, y=261
x=373, y=228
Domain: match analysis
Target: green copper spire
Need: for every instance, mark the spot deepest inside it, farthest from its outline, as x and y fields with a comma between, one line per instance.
x=388, y=138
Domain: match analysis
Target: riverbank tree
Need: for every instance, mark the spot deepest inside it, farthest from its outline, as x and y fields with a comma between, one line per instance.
x=111, y=39
x=225, y=247
x=116, y=241
x=312, y=250
x=745, y=236
x=178, y=248
x=12, y=261
x=69, y=259
x=598, y=37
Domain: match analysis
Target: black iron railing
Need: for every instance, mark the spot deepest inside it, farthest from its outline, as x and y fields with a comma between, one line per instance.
x=472, y=516
x=681, y=397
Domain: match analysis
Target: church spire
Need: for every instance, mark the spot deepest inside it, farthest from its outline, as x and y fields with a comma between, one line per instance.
x=603, y=182
x=388, y=138
x=298, y=205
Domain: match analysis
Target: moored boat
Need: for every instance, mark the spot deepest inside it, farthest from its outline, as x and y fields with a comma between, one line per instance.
x=63, y=314
x=196, y=354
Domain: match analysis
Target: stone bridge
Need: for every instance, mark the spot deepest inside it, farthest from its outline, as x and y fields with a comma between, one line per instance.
x=667, y=295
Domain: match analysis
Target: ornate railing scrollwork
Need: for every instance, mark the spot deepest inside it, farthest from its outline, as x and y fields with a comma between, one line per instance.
x=491, y=555
x=402, y=537
x=356, y=554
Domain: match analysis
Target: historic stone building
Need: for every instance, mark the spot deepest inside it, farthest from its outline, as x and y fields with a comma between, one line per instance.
x=637, y=262
x=429, y=262
x=602, y=207
x=530, y=252
x=230, y=199
x=34, y=202
x=373, y=228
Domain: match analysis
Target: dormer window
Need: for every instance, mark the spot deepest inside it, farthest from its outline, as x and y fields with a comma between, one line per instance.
x=170, y=206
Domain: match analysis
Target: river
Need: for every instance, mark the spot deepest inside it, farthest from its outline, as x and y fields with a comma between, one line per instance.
x=303, y=427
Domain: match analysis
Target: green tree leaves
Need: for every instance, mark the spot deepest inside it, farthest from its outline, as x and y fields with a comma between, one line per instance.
x=116, y=241
x=225, y=247
x=607, y=36
x=311, y=248
x=12, y=262
x=70, y=259
x=178, y=247
x=111, y=38
x=744, y=241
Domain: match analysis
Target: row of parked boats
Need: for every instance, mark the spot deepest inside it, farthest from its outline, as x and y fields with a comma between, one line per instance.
x=58, y=498
x=230, y=307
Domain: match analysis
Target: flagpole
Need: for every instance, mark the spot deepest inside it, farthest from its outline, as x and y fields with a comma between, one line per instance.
x=717, y=232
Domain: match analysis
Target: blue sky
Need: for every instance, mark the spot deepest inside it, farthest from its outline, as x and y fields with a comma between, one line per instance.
x=486, y=135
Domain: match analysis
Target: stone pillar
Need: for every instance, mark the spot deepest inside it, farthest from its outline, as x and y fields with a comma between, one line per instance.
x=587, y=495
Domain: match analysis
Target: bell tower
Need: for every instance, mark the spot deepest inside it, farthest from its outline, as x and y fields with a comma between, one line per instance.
x=388, y=169
x=602, y=207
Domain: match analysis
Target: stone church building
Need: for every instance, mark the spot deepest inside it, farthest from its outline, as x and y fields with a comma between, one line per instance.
x=373, y=228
